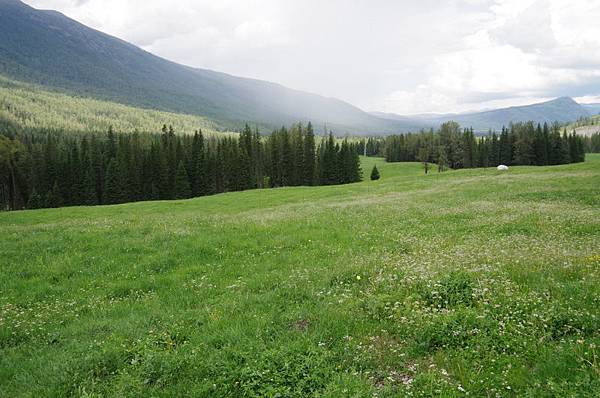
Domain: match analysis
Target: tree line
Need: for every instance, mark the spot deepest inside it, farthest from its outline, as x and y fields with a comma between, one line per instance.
x=456, y=148
x=372, y=146
x=592, y=143
x=48, y=168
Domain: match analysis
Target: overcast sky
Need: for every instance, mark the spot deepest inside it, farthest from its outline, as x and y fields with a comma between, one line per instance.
x=399, y=56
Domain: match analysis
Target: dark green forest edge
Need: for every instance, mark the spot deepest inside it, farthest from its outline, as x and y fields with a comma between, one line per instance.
x=53, y=168
x=42, y=168
x=522, y=144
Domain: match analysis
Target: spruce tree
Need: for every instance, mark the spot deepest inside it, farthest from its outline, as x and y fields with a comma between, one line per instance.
x=182, y=183
x=423, y=157
x=113, y=191
x=88, y=192
x=442, y=160
x=35, y=200
x=375, y=174
x=55, y=198
x=565, y=152
x=309, y=156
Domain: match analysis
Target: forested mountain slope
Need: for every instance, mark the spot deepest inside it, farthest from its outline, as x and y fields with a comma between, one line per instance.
x=563, y=109
x=47, y=48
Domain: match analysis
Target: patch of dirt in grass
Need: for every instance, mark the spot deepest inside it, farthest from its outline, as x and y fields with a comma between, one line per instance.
x=301, y=325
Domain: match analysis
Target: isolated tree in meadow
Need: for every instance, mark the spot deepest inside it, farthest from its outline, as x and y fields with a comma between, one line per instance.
x=182, y=183
x=375, y=174
x=423, y=157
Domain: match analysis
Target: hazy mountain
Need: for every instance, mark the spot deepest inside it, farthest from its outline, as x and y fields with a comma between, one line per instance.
x=563, y=109
x=593, y=109
x=47, y=48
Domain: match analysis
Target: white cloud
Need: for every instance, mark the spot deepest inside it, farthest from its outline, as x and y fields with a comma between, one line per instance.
x=528, y=52
x=397, y=56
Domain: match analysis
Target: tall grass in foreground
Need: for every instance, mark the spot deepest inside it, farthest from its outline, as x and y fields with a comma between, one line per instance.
x=469, y=281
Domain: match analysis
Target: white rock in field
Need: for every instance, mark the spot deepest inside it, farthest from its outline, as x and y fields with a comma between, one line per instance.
x=502, y=167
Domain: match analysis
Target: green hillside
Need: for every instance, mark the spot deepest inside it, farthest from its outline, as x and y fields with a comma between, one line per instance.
x=50, y=49
x=470, y=281
x=586, y=126
x=28, y=106
x=562, y=110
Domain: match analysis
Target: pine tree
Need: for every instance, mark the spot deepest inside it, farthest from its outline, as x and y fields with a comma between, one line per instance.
x=247, y=161
x=182, y=183
x=200, y=181
x=375, y=174
x=329, y=166
x=524, y=150
x=258, y=156
x=88, y=192
x=442, y=160
x=356, y=174
x=565, y=152
x=423, y=157
x=468, y=146
x=540, y=147
x=113, y=191
x=55, y=198
x=35, y=200
x=506, y=149
x=297, y=155
x=111, y=144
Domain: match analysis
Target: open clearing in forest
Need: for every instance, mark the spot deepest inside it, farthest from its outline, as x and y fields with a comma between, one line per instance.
x=466, y=281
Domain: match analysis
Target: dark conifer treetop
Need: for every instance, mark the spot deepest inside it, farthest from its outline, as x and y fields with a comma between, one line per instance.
x=49, y=168
x=520, y=144
x=375, y=174
x=43, y=168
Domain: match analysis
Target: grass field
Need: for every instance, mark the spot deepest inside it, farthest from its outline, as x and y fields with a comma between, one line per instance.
x=467, y=282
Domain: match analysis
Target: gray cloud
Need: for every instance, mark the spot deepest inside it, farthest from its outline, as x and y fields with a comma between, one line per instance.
x=398, y=56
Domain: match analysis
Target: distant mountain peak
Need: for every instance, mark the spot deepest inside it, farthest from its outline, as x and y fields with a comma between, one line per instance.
x=566, y=100
x=562, y=109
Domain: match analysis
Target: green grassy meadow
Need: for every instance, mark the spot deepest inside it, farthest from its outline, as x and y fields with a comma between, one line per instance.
x=469, y=282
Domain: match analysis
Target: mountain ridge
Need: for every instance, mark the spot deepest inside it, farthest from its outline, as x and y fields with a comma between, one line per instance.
x=50, y=49
x=46, y=48
x=561, y=109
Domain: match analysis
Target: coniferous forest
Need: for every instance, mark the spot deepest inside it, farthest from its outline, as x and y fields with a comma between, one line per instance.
x=520, y=144
x=44, y=168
